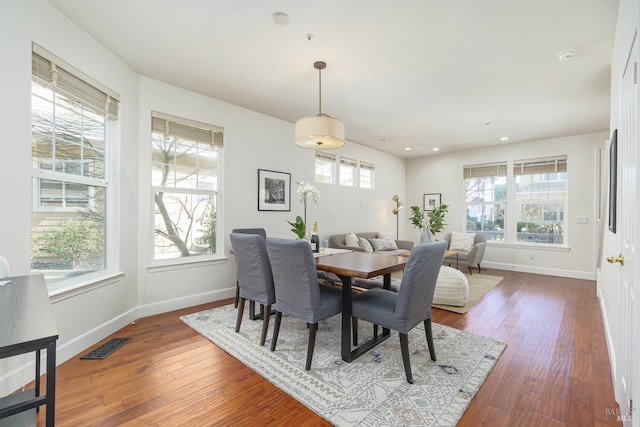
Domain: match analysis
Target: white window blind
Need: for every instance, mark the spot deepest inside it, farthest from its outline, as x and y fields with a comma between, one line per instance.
x=485, y=170
x=55, y=73
x=187, y=129
x=537, y=166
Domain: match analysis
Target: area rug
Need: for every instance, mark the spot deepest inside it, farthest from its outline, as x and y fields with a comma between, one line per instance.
x=479, y=286
x=372, y=390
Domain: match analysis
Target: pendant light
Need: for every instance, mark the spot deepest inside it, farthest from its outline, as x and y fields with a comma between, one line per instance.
x=319, y=132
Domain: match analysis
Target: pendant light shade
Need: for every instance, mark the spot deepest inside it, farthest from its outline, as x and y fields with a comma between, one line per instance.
x=319, y=132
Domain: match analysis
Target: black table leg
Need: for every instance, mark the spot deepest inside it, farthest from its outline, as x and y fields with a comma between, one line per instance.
x=345, y=343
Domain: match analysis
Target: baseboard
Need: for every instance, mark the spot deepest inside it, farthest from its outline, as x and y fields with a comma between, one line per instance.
x=585, y=275
x=184, y=302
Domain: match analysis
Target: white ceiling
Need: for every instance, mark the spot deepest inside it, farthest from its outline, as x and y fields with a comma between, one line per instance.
x=453, y=74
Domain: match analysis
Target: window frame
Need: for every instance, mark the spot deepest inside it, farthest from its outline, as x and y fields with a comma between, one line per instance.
x=370, y=167
x=331, y=159
x=213, y=193
x=73, y=87
x=353, y=165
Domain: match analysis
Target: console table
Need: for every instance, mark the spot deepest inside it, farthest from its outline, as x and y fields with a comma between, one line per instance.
x=27, y=325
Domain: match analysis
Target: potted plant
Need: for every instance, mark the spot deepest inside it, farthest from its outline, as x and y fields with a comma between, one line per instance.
x=430, y=223
x=436, y=218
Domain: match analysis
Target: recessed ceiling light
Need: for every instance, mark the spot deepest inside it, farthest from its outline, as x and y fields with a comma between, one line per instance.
x=280, y=18
x=407, y=149
x=566, y=55
x=504, y=138
x=436, y=149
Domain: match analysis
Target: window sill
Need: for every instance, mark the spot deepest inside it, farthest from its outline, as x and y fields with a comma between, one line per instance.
x=62, y=291
x=529, y=246
x=180, y=263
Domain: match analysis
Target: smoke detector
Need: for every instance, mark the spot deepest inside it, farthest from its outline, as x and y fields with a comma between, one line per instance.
x=566, y=55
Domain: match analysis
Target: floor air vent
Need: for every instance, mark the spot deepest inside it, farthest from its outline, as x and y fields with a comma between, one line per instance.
x=106, y=349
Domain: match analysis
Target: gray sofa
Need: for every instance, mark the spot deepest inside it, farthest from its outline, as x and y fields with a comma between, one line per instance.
x=337, y=241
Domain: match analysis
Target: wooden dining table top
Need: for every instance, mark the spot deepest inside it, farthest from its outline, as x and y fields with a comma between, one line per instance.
x=360, y=264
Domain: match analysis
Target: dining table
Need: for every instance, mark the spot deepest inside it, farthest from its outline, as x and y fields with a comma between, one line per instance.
x=350, y=265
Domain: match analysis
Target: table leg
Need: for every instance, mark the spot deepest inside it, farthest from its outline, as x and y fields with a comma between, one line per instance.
x=345, y=341
x=51, y=384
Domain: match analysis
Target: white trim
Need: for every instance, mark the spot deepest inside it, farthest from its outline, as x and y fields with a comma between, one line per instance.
x=574, y=274
x=529, y=246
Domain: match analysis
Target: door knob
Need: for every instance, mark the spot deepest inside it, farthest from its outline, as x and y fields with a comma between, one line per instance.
x=613, y=259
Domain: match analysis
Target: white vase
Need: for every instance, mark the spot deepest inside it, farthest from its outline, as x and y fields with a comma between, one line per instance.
x=425, y=236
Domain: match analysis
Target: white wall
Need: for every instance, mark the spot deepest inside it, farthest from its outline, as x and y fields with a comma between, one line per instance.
x=442, y=173
x=252, y=141
x=134, y=289
x=86, y=317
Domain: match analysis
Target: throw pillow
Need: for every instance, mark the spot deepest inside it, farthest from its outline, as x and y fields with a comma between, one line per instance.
x=461, y=241
x=366, y=245
x=385, y=234
x=389, y=244
x=378, y=245
x=351, y=240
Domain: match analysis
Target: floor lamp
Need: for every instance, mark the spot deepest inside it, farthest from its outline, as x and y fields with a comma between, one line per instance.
x=395, y=211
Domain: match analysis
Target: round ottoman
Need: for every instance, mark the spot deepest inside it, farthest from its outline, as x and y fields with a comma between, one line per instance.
x=452, y=287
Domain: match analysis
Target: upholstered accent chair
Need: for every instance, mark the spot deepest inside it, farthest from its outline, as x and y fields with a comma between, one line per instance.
x=410, y=306
x=298, y=292
x=471, y=255
x=255, y=281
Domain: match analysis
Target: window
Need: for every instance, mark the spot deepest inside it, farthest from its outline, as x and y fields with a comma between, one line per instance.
x=541, y=194
x=348, y=172
x=185, y=162
x=486, y=196
x=325, y=168
x=70, y=123
x=367, y=175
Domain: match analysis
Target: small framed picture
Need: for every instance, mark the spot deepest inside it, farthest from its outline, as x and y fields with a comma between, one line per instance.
x=432, y=201
x=274, y=190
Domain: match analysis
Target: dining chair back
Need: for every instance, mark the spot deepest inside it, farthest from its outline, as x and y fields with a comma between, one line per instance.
x=298, y=292
x=411, y=305
x=260, y=232
x=255, y=281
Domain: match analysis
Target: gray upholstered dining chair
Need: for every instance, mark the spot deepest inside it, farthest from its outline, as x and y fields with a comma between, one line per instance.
x=403, y=310
x=255, y=281
x=258, y=231
x=4, y=267
x=298, y=293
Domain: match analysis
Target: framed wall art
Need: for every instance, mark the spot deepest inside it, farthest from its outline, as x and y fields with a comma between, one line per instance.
x=432, y=201
x=274, y=190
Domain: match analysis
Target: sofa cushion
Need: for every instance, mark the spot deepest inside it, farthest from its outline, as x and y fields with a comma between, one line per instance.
x=462, y=241
x=351, y=240
x=364, y=243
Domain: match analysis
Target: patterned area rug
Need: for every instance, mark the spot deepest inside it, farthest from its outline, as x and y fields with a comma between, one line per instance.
x=372, y=390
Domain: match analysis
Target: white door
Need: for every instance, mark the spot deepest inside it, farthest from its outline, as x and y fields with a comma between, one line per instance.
x=627, y=156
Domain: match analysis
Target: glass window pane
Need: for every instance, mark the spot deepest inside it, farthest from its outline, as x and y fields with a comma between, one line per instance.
x=184, y=225
x=487, y=219
x=541, y=201
x=68, y=217
x=68, y=243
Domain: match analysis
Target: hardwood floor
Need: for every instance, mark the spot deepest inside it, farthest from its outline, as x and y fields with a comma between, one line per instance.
x=554, y=372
